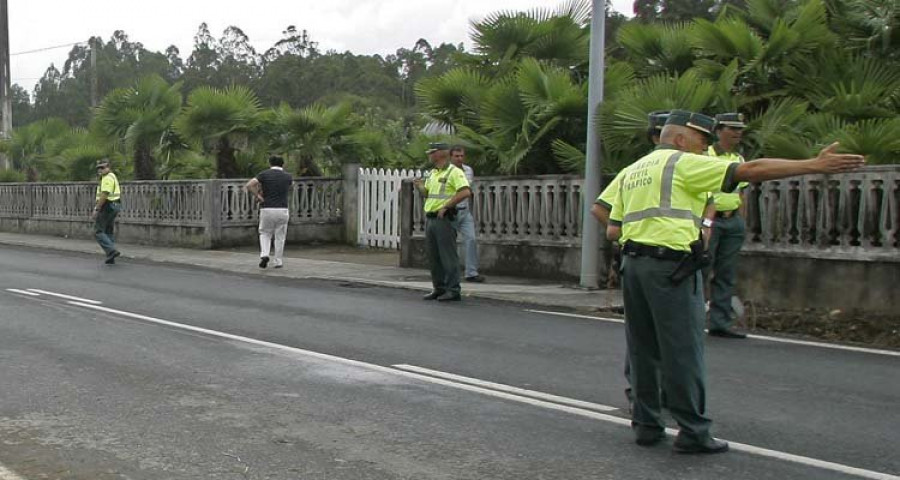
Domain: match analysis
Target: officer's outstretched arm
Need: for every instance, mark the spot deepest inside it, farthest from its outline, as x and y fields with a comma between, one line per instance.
x=828, y=161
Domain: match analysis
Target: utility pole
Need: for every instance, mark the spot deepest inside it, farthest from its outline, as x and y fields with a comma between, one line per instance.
x=5, y=87
x=590, y=230
x=94, y=90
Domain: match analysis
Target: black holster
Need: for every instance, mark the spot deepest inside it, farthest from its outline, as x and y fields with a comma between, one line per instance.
x=691, y=264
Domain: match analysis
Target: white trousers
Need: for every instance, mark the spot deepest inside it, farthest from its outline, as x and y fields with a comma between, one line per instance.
x=273, y=222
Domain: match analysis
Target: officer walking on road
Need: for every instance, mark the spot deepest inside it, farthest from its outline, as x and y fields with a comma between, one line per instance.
x=465, y=222
x=444, y=189
x=660, y=202
x=728, y=229
x=106, y=208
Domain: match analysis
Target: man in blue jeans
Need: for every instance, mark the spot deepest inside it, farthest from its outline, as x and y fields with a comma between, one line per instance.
x=106, y=209
x=465, y=222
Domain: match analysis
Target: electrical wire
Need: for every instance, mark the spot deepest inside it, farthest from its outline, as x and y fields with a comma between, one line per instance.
x=44, y=49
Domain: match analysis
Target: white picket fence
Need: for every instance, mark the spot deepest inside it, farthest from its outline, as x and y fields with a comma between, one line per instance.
x=379, y=206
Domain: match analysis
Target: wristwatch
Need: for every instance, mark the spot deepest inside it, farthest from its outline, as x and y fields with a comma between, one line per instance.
x=707, y=223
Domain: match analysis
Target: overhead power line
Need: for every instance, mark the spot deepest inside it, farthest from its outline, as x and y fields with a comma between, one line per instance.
x=44, y=49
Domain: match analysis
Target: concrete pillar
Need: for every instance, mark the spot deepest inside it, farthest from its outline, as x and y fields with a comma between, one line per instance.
x=213, y=213
x=407, y=191
x=350, y=208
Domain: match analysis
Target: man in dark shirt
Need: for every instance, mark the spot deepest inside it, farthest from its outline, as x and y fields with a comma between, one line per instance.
x=271, y=188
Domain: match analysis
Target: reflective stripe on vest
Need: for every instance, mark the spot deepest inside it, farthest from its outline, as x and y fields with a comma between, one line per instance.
x=665, y=209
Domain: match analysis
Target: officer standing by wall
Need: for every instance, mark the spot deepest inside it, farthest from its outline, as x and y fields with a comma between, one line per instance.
x=728, y=229
x=602, y=206
x=106, y=208
x=660, y=203
x=445, y=187
x=465, y=221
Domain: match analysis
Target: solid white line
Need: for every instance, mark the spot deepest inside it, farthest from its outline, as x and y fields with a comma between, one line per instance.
x=807, y=343
x=508, y=388
x=836, y=467
x=23, y=292
x=67, y=297
x=575, y=315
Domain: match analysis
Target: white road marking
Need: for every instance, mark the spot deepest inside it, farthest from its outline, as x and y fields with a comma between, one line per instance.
x=23, y=292
x=509, y=389
x=67, y=297
x=7, y=474
x=813, y=462
x=807, y=343
x=575, y=315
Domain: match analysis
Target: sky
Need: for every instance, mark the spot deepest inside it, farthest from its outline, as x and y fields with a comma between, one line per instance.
x=360, y=26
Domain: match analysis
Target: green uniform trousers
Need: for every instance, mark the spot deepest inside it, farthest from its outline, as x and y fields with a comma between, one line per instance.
x=725, y=247
x=664, y=330
x=440, y=245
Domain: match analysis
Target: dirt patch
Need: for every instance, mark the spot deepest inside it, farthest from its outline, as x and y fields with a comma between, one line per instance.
x=833, y=326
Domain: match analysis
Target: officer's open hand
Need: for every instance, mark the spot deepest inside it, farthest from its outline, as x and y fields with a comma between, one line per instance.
x=829, y=161
x=441, y=213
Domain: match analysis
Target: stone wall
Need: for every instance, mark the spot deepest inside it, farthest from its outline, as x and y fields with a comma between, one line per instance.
x=193, y=214
x=819, y=241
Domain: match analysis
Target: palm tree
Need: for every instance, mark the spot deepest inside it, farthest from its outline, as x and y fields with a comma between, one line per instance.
x=322, y=137
x=32, y=148
x=521, y=92
x=220, y=121
x=556, y=36
x=139, y=117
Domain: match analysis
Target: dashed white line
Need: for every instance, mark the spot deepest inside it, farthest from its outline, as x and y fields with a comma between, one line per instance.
x=64, y=296
x=764, y=452
x=765, y=338
x=508, y=388
x=23, y=292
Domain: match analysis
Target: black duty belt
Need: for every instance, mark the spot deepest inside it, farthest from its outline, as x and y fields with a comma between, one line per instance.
x=430, y=214
x=635, y=249
x=727, y=214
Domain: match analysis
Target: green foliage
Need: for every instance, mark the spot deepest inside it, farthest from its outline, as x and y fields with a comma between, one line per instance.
x=9, y=175
x=220, y=122
x=138, y=117
x=805, y=72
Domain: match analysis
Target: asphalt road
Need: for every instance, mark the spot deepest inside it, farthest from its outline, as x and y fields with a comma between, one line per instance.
x=270, y=379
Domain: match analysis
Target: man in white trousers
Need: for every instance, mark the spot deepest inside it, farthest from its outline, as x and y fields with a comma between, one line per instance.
x=271, y=189
x=465, y=222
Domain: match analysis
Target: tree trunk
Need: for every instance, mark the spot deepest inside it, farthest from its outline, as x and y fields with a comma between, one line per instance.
x=144, y=163
x=226, y=163
x=307, y=167
x=31, y=174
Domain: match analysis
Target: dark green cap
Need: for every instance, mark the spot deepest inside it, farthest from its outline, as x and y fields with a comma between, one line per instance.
x=657, y=119
x=696, y=121
x=733, y=120
x=436, y=147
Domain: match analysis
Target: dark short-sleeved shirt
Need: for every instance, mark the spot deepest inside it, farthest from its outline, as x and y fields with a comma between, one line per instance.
x=275, y=184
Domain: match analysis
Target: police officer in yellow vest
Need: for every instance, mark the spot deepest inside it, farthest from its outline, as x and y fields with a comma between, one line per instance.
x=659, y=206
x=445, y=187
x=603, y=205
x=728, y=229
x=106, y=208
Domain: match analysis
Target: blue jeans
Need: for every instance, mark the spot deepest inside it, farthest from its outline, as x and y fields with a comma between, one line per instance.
x=465, y=226
x=104, y=226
